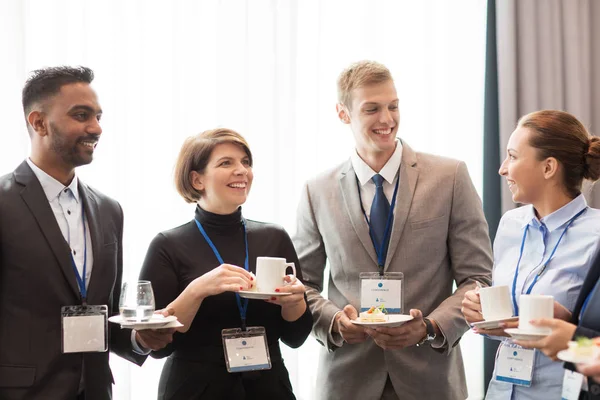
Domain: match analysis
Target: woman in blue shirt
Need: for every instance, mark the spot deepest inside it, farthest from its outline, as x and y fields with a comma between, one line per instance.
x=546, y=246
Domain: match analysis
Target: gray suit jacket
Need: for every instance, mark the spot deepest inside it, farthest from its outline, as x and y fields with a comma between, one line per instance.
x=439, y=237
x=37, y=279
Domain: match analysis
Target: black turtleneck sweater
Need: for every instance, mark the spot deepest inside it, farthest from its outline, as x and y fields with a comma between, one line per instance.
x=178, y=256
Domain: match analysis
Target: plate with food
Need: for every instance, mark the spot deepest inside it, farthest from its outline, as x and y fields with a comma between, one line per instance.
x=377, y=317
x=581, y=351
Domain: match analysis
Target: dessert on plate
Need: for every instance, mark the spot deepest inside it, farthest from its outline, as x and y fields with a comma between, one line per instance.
x=374, y=314
x=585, y=347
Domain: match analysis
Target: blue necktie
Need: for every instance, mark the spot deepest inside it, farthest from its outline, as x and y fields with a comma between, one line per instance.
x=379, y=212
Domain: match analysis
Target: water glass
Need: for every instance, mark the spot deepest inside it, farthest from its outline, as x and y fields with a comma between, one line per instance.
x=137, y=301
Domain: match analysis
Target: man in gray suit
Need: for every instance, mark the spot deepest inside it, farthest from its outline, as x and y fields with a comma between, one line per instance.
x=436, y=235
x=60, y=252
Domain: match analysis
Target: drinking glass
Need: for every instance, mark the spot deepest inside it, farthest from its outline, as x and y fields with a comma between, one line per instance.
x=137, y=301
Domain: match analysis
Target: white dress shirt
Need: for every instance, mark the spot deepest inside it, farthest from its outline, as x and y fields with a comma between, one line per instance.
x=66, y=205
x=364, y=173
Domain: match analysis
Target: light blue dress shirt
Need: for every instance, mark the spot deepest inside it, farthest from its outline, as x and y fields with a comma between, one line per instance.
x=562, y=278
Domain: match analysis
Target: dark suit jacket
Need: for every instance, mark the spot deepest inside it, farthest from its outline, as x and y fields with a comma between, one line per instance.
x=588, y=285
x=37, y=279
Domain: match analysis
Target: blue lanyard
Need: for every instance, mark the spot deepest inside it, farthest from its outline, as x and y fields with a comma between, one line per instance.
x=381, y=253
x=537, y=276
x=80, y=280
x=242, y=307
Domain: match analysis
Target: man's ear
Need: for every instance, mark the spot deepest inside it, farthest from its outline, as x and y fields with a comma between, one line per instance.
x=343, y=113
x=551, y=167
x=37, y=121
x=197, y=181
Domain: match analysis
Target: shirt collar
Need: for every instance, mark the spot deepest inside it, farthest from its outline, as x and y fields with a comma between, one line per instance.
x=559, y=217
x=51, y=186
x=389, y=170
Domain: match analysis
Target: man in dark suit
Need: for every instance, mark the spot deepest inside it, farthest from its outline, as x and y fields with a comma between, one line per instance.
x=60, y=245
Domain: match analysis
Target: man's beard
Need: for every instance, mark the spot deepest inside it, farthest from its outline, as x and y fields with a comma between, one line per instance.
x=69, y=152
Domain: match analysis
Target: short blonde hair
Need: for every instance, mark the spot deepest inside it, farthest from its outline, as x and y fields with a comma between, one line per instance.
x=360, y=74
x=194, y=155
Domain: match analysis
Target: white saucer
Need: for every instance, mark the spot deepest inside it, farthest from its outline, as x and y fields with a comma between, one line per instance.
x=492, y=324
x=520, y=334
x=569, y=356
x=156, y=322
x=260, y=295
x=393, y=321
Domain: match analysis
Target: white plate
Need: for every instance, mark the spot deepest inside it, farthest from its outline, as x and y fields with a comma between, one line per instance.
x=520, y=334
x=393, y=321
x=260, y=296
x=156, y=322
x=569, y=356
x=493, y=324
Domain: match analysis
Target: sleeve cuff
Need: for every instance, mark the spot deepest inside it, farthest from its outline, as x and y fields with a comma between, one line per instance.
x=334, y=338
x=136, y=347
x=440, y=341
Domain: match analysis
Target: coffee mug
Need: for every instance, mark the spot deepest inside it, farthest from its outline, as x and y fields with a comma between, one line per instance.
x=495, y=303
x=270, y=272
x=534, y=306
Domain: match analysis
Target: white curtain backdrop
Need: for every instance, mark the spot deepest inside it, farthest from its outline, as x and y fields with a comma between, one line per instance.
x=166, y=70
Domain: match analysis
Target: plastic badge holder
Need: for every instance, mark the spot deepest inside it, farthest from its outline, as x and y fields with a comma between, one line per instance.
x=386, y=289
x=246, y=350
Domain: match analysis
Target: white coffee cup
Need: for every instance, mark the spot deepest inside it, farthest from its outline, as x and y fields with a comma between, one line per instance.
x=270, y=272
x=495, y=303
x=534, y=306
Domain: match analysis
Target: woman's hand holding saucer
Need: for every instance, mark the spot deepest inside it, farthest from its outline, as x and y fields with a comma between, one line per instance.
x=498, y=331
x=558, y=340
x=472, y=311
x=471, y=306
x=293, y=305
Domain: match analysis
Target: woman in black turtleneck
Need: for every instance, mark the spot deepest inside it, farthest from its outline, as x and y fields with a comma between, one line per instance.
x=214, y=170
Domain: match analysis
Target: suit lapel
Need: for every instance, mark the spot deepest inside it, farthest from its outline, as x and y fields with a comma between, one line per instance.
x=92, y=220
x=349, y=189
x=409, y=174
x=33, y=195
